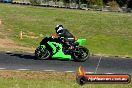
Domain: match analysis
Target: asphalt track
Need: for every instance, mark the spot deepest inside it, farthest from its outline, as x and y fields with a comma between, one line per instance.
x=96, y=64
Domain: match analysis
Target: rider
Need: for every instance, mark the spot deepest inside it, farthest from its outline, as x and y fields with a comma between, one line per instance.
x=69, y=39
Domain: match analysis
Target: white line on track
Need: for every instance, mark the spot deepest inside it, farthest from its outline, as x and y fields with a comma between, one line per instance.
x=109, y=73
x=69, y=71
x=2, y=68
x=98, y=64
x=55, y=70
x=8, y=51
x=89, y=72
x=22, y=69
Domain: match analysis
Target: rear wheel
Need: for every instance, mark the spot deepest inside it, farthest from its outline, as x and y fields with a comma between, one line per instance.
x=42, y=54
x=81, y=54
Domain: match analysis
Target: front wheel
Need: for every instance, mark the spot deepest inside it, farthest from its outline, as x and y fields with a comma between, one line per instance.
x=41, y=53
x=81, y=54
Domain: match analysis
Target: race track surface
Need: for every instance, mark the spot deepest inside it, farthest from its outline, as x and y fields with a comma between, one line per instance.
x=26, y=61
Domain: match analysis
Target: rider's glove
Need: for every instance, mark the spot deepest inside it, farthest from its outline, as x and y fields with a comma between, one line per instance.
x=53, y=36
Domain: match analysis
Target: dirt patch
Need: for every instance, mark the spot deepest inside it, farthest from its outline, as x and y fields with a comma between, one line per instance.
x=37, y=75
x=6, y=43
x=9, y=44
x=0, y=21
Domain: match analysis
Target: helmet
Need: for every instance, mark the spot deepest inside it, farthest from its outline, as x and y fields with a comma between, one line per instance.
x=59, y=27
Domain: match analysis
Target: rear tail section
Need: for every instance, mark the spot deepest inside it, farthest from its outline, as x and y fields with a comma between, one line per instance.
x=81, y=41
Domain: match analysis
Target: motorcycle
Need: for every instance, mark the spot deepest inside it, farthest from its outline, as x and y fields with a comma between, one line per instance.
x=54, y=48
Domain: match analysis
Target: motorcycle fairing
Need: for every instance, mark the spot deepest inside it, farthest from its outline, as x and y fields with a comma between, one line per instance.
x=80, y=41
x=57, y=51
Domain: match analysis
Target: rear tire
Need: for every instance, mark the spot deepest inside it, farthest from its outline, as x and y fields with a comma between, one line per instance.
x=42, y=54
x=81, y=54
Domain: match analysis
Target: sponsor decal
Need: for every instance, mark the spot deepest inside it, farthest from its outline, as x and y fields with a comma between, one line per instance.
x=82, y=78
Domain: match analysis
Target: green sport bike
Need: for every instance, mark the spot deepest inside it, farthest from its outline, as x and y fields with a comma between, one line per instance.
x=51, y=48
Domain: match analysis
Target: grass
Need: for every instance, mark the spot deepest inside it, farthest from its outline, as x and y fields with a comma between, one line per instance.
x=30, y=79
x=22, y=83
x=106, y=32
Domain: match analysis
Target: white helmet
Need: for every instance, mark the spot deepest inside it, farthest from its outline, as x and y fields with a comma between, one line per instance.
x=59, y=27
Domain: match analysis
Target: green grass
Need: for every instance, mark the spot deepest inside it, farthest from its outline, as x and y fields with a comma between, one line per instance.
x=106, y=32
x=33, y=83
x=36, y=79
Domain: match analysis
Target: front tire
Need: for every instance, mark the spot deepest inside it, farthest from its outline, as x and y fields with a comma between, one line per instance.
x=81, y=54
x=42, y=54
